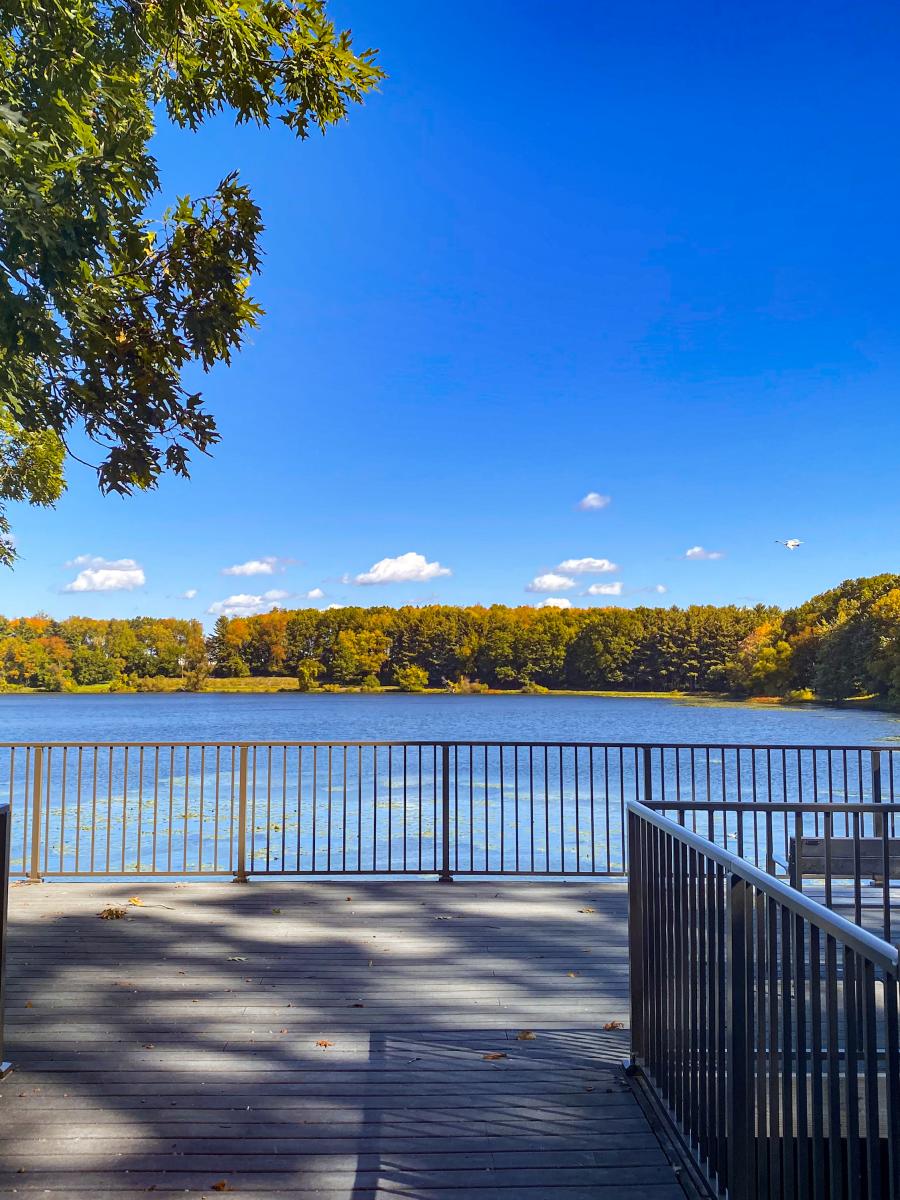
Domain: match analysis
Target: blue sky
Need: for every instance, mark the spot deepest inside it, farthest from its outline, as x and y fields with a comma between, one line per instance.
x=648, y=251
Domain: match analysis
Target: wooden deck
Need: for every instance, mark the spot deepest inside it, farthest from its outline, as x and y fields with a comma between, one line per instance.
x=349, y=1039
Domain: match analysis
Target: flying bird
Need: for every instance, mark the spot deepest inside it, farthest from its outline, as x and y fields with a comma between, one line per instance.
x=790, y=544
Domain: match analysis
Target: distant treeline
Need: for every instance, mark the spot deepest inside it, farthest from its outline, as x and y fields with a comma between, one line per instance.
x=843, y=643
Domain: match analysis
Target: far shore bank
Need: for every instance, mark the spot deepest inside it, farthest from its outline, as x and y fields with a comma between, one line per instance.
x=249, y=685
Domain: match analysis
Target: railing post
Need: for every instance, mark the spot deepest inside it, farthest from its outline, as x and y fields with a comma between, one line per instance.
x=37, y=796
x=646, y=754
x=876, y=790
x=636, y=936
x=445, y=875
x=739, y=1082
x=241, y=874
x=5, y=839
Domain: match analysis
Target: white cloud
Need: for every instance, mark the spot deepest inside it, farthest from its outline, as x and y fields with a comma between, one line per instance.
x=554, y=602
x=660, y=589
x=246, y=605
x=105, y=575
x=255, y=566
x=587, y=566
x=188, y=595
x=405, y=568
x=550, y=582
x=698, y=552
x=593, y=501
x=315, y=594
x=605, y=589
x=330, y=606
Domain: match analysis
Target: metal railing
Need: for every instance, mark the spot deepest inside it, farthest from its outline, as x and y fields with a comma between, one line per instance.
x=765, y=1023
x=854, y=866
x=5, y=1067
x=376, y=808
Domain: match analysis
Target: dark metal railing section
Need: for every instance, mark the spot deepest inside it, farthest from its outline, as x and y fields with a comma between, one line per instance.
x=765, y=1023
x=847, y=854
x=4, y=900
x=376, y=808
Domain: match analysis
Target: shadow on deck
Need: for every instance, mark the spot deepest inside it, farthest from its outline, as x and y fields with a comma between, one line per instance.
x=347, y=1039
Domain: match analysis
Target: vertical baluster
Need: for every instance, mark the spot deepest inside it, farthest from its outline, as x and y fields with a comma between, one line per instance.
x=740, y=1042
x=243, y=770
x=329, y=813
x=892, y=1082
x=817, y=1142
x=802, y=1070
x=562, y=815
x=284, y=808
x=124, y=825
x=315, y=807
x=216, y=826
x=77, y=863
x=156, y=749
x=836, y=1187
x=777, y=1052
x=764, y=1063
x=869, y=1040
x=592, y=829
x=577, y=814
x=185, y=816
x=62, y=812
x=140, y=810
x=851, y=1072
x=445, y=875
x=344, y=804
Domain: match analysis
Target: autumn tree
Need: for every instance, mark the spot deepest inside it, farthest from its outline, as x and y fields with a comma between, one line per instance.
x=105, y=298
x=195, y=664
x=358, y=655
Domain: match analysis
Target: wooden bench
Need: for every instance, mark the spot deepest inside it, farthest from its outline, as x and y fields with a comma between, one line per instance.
x=850, y=858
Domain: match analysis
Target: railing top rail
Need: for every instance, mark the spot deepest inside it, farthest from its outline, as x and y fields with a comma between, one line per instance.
x=877, y=807
x=879, y=952
x=495, y=742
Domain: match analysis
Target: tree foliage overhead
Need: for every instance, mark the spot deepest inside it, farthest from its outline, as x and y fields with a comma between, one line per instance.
x=104, y=300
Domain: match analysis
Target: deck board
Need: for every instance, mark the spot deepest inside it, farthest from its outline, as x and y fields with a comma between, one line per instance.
x=178, y=1048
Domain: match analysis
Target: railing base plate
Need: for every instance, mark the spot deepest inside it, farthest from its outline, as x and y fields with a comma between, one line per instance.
x=688, y=1172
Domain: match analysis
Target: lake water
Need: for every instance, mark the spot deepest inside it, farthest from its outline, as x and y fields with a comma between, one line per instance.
x=292, y=716
x=166, y=809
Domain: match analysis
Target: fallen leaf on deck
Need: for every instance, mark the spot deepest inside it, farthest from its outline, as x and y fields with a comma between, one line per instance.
x=136, y=901
x=323, y=1043
x=276, y=911
x=525, y=1035
x=349, y=897
x=357, y=1005
x=149, y=1046
x=574, y=974
x=237, y=958
x=28, y=1004
x=493, y=1056
x=221, y=1186
x=111, y=914
x=587, y=910
x=614, y=1025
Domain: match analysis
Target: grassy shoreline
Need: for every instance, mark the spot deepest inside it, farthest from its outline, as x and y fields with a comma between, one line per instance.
x=269, y=684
